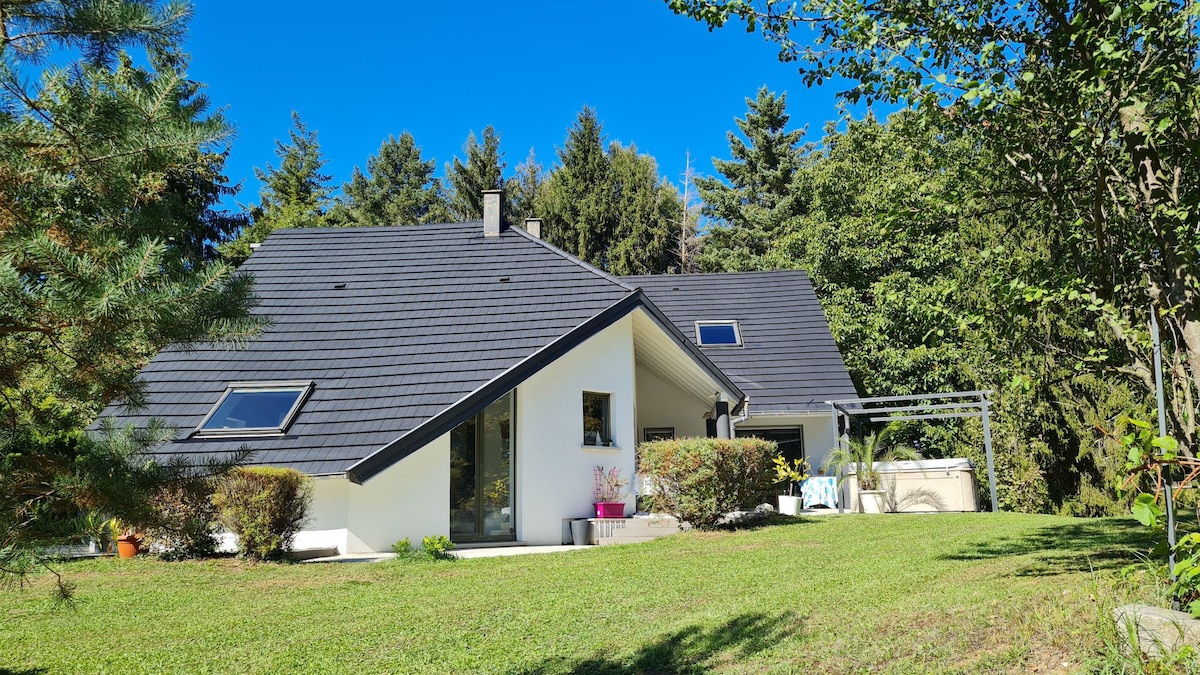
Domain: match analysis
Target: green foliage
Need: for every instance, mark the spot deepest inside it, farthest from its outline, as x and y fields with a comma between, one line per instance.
x=792, y=473
x=183, y=519
x=483, y=170
x=860, y=454
x=609, y=207
x=404, y=550
x=110, y=175
x=265, y=507
x=296, y=194
x=699, y=480
x=398, y=188
x=577, y=200
x=751, y=209
x=1086, y=116
x=438, y=547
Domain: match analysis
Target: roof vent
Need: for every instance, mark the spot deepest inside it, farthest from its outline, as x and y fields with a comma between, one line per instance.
x=491, y=212
x=534, y=226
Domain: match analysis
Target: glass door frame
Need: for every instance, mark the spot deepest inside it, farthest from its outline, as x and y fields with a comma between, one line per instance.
x=477, y=418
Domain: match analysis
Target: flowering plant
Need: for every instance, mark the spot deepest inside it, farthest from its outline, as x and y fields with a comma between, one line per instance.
x=610, y=487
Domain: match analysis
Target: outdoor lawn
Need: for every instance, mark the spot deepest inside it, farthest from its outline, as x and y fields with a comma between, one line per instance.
x=895, y=593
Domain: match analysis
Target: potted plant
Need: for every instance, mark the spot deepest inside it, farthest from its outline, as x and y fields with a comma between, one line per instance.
x=129, y=543
x=609, y=493
x=861, y=455
x=792, y=473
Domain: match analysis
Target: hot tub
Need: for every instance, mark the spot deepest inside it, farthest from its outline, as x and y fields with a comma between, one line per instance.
x=925, y=485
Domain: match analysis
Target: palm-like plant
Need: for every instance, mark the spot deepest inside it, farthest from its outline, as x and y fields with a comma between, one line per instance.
x=861, y=454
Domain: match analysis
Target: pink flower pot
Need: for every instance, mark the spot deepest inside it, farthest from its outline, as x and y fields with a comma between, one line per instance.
x=610, y=509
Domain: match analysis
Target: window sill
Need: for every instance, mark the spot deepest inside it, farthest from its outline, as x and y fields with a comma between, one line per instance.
x=600, y=448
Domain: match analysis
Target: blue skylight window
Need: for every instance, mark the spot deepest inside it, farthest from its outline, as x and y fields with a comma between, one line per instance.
x=718, y=334
x=255, y=409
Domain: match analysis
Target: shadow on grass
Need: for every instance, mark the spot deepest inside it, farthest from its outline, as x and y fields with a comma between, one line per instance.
x=23, y=671
x=766, y=520
x=690, y=650
x=1082, y=546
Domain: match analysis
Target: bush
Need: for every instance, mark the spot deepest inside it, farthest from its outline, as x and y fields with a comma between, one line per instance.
x=184, y=520
x=265, y=507
x=438, y=547
x=699, y=480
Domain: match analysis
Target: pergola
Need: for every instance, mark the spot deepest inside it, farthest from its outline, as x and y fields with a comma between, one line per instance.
x=921, y=407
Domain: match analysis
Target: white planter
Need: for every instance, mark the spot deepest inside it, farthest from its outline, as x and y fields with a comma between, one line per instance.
x=789, y=506
x=870, y=501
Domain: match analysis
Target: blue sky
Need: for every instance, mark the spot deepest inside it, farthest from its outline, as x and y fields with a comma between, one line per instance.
x=359, y=71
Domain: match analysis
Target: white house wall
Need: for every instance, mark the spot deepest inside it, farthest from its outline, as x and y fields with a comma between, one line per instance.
x=409, y=499
x=554, y=468
x=326, y=526
x=661, y=404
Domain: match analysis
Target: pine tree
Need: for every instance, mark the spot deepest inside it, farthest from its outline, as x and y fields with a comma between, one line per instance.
x=758, y=198
x=294, y=195
x=577, y=203
x=109, y=175
x=398, y=188
x=646, y=211
x=483, y=170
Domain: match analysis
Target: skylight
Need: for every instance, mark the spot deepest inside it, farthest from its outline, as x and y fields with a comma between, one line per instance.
x=255, y=409
x=718, y=334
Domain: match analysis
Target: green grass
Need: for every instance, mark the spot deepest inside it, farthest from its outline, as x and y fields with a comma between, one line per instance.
x=897, y=593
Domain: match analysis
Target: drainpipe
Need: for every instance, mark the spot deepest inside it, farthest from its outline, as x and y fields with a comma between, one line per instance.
x=724, y=430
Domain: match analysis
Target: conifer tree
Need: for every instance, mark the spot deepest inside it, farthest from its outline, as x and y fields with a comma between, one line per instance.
x=294, y=195
x=483, y=170
x=109, y=175
x=577, y=204
x=398, y=188
x=646, y=211
x=758, y=198
x=523, y=190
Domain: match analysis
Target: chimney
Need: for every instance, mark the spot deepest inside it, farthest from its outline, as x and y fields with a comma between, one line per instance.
x=491, y=212
x=534, y=226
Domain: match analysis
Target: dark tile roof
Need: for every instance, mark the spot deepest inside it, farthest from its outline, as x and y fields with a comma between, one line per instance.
x=789, y=362
x=427, y=315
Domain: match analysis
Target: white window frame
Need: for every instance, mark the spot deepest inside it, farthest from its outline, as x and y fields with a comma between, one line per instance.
x=737, y=333
x=304, y=386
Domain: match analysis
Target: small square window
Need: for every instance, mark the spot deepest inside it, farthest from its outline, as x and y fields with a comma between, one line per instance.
x=254, y=409
x=597, y=429
x=658, y=433
x=718, y=334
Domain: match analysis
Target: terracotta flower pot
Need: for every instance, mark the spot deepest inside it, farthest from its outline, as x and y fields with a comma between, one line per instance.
x=129, y=545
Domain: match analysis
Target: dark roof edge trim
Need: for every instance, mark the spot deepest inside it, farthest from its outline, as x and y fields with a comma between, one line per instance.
x=693, y=351
x=443, y=422
x=429, y=430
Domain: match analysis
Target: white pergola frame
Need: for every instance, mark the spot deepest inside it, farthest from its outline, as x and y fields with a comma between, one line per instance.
x=920, y=407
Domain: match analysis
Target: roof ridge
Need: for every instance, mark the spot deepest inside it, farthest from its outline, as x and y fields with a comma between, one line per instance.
x=714, y=274
x=590, y=268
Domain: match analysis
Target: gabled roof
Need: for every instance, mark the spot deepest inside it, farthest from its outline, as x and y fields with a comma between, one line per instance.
x=789, y=363
x=406, y=331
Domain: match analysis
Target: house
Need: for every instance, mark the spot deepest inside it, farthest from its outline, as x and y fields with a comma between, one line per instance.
x=767, y=332
x=461, y=379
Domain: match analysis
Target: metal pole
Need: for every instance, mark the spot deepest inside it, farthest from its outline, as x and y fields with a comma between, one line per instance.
x=1162, y=431
x=987, y=447
x=834, y=429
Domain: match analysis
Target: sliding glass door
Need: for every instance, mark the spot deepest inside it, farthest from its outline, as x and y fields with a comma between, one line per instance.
x=482, y=499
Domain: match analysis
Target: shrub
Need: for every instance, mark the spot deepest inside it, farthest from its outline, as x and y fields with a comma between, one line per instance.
x=265, y=507
x=699, y=480
x=184, y=520
x=438, y=547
